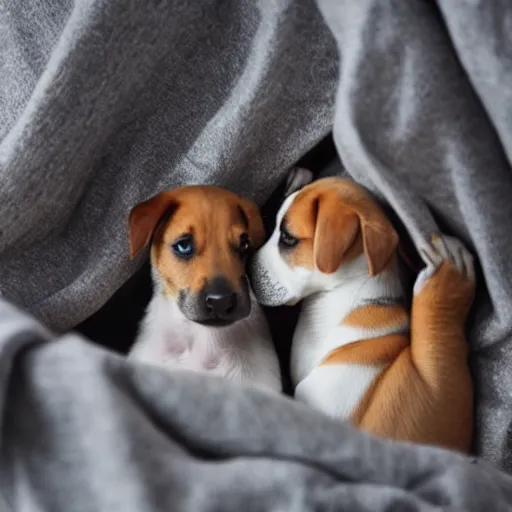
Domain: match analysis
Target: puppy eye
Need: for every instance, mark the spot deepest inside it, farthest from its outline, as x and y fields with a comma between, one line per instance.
x=287, y=240
x=245, y=244
x=184, y=247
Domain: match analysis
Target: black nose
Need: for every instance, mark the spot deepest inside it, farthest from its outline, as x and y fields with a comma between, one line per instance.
x=221, y=304
x=220, y=300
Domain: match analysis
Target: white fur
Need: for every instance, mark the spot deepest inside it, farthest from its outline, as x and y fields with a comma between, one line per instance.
x=443, y=249
x=327, y=300
x=336, y=390
x=242, y=352
x=318, y=330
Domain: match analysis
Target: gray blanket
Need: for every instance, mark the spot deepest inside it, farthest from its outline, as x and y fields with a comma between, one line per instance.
x=83, y=430
x=103, y=103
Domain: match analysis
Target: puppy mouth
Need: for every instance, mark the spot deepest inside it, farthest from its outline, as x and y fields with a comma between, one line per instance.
x=216, y=322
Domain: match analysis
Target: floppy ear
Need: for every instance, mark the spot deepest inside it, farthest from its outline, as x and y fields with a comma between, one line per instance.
x=380, y=241
x=297, y=179
x=251, y=214
x=144, y=218
x=336, y=230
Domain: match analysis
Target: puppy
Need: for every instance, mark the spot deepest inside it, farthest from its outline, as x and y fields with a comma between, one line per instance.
x=357, y=352
x=203, y=315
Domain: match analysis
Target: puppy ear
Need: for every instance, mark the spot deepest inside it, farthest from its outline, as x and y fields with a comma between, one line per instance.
x=144, y=218
x=252, y=218
x=297, y=179
x=380, y=241
x=336, y=230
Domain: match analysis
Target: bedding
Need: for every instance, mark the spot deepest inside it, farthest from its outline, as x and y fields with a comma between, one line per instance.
x=102, y=104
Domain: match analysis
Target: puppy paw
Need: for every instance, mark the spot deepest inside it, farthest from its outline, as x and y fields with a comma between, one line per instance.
x=447, y=256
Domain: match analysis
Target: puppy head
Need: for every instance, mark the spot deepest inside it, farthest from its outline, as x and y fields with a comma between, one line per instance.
x=200, y=239
x=329, y=231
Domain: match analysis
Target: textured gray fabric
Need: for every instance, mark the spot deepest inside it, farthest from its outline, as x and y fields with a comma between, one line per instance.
x=83, y=430
x=102, y=103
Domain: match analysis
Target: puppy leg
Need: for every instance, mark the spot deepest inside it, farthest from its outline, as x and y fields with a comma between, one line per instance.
x=443, y=296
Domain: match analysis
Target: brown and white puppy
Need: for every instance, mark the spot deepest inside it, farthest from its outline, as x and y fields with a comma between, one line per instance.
x=203, y=315
x=357, y=352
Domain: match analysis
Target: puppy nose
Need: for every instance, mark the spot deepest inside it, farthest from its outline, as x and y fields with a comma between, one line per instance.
x=220, y=304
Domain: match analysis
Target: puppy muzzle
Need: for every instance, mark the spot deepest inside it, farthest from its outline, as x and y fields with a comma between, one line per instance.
x=217, y=304
x=266, y=287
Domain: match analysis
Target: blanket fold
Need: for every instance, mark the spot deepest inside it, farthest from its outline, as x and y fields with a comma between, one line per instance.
x=104, y=103
x=85, y=430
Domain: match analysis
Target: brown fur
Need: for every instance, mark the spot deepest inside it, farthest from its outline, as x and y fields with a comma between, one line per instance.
x=215, y=217
x=336, y=219
x=372, y=351
x=376, y=316
x=426, y=394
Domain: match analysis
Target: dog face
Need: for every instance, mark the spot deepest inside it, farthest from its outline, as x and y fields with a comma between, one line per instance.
x=200, y=239
x=325, y=233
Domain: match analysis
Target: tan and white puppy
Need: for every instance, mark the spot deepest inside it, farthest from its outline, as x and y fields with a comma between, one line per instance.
x=203, y=315
x=357, y=352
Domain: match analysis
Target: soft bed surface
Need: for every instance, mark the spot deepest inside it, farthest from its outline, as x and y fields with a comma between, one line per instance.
x=103, y=104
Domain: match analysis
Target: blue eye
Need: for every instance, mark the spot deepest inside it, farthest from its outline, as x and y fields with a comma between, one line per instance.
x=183, y=247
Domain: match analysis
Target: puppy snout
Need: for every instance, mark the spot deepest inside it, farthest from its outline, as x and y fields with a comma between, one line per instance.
x=221, y=303
x=218, y=304
x=265, y=284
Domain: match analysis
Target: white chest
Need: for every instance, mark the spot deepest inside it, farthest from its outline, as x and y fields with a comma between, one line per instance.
x=243, y=352
x=320, y=330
